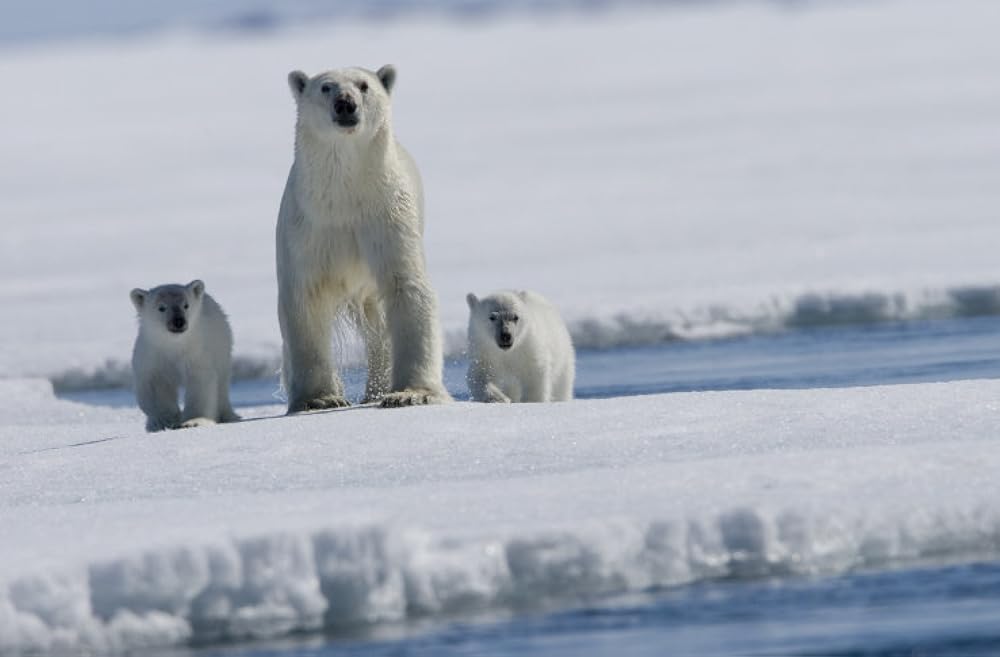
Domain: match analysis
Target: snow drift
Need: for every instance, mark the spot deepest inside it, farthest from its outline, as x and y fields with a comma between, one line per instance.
x=368, y=516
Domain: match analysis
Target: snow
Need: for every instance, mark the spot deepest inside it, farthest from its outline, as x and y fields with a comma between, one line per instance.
x=113, y=538
x=657, y=174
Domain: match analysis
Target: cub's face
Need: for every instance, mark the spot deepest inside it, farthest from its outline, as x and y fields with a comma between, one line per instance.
x=169, y=309
x=349, y=101
x=498, y=319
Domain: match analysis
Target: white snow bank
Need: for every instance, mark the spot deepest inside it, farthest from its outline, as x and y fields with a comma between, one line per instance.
x=642, y=328
x=761, y=167
x=115, y=539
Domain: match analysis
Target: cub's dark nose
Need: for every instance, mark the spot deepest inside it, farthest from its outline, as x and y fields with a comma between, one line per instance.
x=177, y=324
x=505, y=340
x=344, y=106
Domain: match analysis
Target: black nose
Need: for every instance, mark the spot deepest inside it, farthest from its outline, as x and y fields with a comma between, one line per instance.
x=505, y=340
x=178, y=323
x=344, y=106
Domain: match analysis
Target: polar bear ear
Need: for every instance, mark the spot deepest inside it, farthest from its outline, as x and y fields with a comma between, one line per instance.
x=297, y=81
x=471, y=299
x=387, y=75
x=138, y=297
x=197, y=288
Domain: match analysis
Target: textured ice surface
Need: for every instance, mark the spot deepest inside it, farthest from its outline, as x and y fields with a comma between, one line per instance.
x=114, y=538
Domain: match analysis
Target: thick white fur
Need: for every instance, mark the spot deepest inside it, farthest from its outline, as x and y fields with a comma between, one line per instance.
x=350, y=242
x=197, y=359
x=540, y=364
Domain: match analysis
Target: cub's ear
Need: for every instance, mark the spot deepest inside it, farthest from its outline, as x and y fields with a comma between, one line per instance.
x=523, y=294
x=197, y=288
x=297, y=81
x=138, y=297
x=387, y=74
x=471, y=299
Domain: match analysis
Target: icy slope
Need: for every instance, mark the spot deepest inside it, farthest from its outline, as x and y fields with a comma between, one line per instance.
x=664, y=173
x=113, y=538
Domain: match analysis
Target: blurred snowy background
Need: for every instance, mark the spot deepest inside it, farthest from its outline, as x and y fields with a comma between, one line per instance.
x=661, y=170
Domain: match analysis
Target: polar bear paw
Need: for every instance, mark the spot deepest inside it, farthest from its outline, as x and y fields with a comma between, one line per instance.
x=321, y=403
x=197, y=422
x=495, y=396
x=162, y=424
x=414, y=397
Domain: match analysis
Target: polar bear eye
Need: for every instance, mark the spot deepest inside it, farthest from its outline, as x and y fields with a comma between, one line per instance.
x=163, y=309
x=363, y=86
x=514, y=319
x=185, y=306
x=325, y=88
x=493, y=317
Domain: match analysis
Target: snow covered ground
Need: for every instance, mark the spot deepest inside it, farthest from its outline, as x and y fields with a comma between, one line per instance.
x=113, y=538
x=657, y=174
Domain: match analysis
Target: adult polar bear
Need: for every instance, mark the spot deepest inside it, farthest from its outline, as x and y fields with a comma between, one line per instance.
x=350, y=240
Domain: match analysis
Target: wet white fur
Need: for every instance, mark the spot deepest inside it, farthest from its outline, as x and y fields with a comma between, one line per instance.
x=541, y=364
x=350, y=241
x=197, y=360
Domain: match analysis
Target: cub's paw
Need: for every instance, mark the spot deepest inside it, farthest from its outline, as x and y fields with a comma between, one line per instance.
x=495, y=396
x=162, y=424
x=197, y=422
x=325, y=402
x=414, y=397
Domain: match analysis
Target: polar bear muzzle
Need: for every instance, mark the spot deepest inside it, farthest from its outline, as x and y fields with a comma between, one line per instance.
x=178, y=322
x=505, y=340
x=345, y=110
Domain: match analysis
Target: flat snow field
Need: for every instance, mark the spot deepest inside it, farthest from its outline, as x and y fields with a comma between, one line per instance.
x=667, y=173
x=115, y=539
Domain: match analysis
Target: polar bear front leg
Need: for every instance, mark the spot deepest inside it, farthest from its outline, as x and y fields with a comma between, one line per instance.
x=157, y=397
x=562, y=389
x=481, y=388
x=492, y=394
x=306, y=328
x=538, y=389
x=417, y=360
x=201, y=403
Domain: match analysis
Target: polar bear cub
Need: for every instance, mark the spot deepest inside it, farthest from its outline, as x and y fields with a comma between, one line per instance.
x=519, y=349
x=185, y=342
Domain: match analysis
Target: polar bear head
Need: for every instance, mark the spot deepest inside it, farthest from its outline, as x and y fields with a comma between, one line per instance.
x=498, y=319
x=343, y=102
x=169, y=309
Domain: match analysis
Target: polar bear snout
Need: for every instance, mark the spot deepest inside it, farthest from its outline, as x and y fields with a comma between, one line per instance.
x=177, y=324
x=344, y=105
x=345, y=110
x=505, y=340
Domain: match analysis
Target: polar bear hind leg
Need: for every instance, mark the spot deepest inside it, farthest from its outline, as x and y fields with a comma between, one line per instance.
x=377, y=349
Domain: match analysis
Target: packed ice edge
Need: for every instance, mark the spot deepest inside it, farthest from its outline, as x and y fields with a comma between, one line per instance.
x=275, y=583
